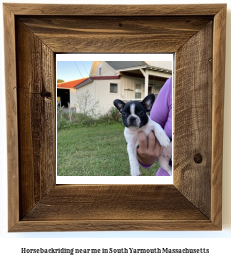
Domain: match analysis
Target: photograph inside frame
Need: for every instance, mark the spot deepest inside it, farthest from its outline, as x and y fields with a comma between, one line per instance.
x=114, y=118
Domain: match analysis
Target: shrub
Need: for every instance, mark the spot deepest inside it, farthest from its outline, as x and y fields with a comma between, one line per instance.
x=84, y=120
x=63, y=123
x=114, y=114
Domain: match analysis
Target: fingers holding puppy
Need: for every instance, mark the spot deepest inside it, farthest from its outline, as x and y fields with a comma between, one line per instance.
x=149, y=149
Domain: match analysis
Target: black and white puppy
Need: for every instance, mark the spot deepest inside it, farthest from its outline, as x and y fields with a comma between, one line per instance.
x=135, y=119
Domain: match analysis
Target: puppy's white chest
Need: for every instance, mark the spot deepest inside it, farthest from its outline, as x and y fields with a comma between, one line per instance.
x=132, y=134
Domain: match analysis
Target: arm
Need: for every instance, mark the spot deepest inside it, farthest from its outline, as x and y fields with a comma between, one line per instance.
x=162, y=109
x=149, y=149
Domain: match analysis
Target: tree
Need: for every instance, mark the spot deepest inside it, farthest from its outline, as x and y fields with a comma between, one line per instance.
x=86, y=104
x=60, y=80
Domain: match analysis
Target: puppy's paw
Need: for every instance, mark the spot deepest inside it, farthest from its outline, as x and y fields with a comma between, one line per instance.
x=163, y=139
x=135, y=172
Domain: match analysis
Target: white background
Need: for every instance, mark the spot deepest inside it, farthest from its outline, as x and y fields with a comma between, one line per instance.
x=218, y=242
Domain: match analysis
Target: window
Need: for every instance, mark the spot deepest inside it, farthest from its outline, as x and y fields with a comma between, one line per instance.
x=138, y=91
x=113, y=88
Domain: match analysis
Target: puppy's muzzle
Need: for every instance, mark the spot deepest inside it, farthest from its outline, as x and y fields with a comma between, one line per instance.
x=133, y=121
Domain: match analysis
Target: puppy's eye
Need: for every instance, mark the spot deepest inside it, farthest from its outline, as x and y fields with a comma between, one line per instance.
x=141, y=113
x=123, y=113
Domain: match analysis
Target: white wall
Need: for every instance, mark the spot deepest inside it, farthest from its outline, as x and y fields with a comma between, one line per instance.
x=103, y=95
x=105, y=98
x=72, y=97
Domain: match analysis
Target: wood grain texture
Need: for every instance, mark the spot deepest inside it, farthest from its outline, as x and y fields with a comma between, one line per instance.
x=12, y=121
x=115, y=34
x=114, y=10
x=108, y=207
x=36, y=95
x=194, y=201
x=218, y=114
x=113, y=202
x=193, y=126
x=114, y=225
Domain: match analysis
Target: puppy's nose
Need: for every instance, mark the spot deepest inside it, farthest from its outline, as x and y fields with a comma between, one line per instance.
x=132, y=119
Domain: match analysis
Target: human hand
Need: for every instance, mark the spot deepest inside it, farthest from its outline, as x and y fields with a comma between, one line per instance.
x=149, y=148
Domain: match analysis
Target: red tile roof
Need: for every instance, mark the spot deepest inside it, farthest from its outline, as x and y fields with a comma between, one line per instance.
x=70, y=84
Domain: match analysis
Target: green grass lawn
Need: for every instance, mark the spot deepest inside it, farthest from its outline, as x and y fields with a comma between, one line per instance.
x=94, y=151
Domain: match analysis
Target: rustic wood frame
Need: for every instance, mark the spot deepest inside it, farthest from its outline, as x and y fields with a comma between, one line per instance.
x=33, y=34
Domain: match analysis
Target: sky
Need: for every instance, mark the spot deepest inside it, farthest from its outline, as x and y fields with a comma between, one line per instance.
x=73, y=70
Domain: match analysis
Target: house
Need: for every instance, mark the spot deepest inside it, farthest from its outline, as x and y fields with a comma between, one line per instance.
x=66, y=92
x=125, y=80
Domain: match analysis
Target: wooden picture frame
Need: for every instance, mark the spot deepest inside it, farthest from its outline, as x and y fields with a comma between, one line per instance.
x=33, y=34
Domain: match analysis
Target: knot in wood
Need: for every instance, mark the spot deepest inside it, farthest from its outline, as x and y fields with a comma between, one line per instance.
x=45, y=94
x=198, y=158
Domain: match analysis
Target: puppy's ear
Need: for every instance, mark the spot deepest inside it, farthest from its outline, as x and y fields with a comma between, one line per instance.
x=148, y=101
x=119, y=105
